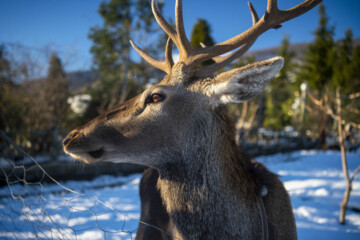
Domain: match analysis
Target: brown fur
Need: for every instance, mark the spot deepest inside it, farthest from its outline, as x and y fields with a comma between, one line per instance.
x=153, y=212
x=191, y=201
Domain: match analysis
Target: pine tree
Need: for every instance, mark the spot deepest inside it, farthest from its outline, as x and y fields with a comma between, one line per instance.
x=4, y=66
x=317, y=69
x=346, y=74
x=355, y=69
x=12, y=107
x=318, y=64
x=201, y=34
x=354, y=84
x=124, y=20
x=56, y=93
x=279, y=95
x=346, y=65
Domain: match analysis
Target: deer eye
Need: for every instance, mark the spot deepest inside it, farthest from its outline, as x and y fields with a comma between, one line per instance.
x=154, y=98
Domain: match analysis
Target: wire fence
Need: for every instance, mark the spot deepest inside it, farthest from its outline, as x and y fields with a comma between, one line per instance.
x=41, y=210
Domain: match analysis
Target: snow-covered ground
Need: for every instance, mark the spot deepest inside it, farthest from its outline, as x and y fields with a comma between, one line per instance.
x=316, y=185
x=88, y=210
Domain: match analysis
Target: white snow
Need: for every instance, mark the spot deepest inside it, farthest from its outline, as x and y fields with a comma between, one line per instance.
x=316, y=185
x=314, y=180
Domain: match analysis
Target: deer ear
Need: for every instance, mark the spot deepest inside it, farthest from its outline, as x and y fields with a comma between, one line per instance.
x=242, y=84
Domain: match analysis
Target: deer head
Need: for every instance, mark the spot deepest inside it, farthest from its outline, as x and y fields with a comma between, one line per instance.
x=184, y=113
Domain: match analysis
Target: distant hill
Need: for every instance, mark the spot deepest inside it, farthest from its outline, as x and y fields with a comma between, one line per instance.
x=78, y=79
x=298, y=49
x=263, y=54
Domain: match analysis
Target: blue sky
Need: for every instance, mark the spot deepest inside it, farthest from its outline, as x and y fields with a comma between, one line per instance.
x=63, y=26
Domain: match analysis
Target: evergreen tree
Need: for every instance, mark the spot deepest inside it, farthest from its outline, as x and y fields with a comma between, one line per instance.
x=4, y=66
x=317, y=69
x=56, y=94
x=280, y=92
x=124, y=20
x=318, y=65
x=354, y=83
x=201, y=34
x=12, y=107
x=346, y=73
x=346, y=65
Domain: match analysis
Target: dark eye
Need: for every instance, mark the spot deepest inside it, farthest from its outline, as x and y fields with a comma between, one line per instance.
x=155, y=98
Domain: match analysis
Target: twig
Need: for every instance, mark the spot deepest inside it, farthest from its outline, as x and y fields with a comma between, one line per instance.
x=354, y=174
x=331, y=113
x=353, y=110
x=314, y=100
x=354, y=95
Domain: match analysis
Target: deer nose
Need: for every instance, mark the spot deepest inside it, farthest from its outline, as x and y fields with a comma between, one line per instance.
x=70, y=136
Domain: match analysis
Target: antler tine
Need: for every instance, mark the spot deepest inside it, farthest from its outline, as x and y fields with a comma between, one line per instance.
x=272, y=6
x=243, y=48
x=168, y=55
x=254, y=15
x=185, y=47
x=272, y=18
x=170, y=31
x=169, y=63
x=164, y=66
x=285, y=15
x=224, y=61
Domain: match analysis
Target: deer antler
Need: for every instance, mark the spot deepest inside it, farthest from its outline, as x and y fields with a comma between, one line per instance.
x=192, y=56
x=164, y=66
x=221, y=62
x=273, y=17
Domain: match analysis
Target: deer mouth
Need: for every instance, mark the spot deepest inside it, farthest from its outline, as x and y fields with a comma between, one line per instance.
x=97, y=153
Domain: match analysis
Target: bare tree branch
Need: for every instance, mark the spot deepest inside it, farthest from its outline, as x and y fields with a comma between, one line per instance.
x=353, y=110
x=241, y=120
x=355, y=125
x=354, y=174
x=314, y=100
x=354, y=95
x=250, y=121
x=325, y=107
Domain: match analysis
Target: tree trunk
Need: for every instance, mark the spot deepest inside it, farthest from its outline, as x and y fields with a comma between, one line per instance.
x=322, y=124
x=344, y=204
x=322, y=139
x=345, y=201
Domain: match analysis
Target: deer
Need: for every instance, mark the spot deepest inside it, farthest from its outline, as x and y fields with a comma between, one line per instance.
x=208, y=187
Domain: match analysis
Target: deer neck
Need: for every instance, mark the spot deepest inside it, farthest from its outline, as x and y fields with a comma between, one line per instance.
x=209, y=188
